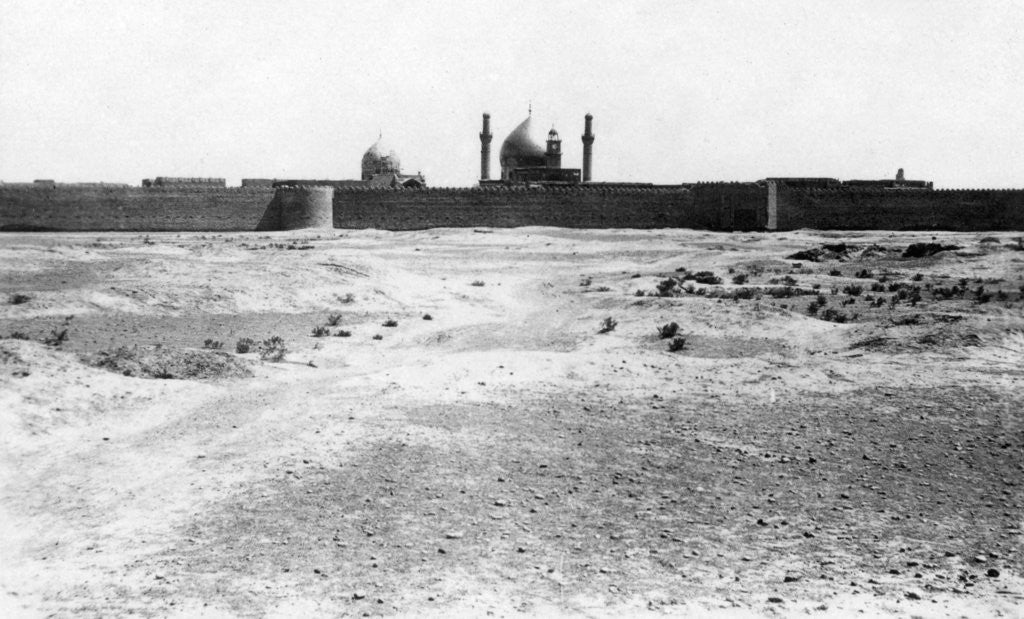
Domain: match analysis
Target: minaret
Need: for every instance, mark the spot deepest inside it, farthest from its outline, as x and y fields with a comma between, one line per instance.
x=485, y=149
x=588, y=147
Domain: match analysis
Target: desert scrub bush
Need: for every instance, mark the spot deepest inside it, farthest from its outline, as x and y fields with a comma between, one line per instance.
x=921, y=250
x=378, y=337
x=319, y=331
x=17, y=298
x=602, y=289
x=853, y=290
x=833, y=315
x=58, y=335
x=333, y=320
x=348, y=298
x=244, y=345
x=740, y=279
x=212, y=344
x=477, y=283
x=390, y=323
x=982, y=296
x=705, y=277
x=813, y=307
x=427, y=317
x=608, y=325
x=835, y=273
x=17, y=335
x=639, y=293
x=917, y=277
x=879, y=302
x=667, y=331
x=864, y=274
x=678, y=343
x=273, y=349
x=586, y=281
x=343, y=333
x=877, y=287
x=667, y=287
x=785, y=281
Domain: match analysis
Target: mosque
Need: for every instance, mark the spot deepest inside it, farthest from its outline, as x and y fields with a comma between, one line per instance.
x=524, y=159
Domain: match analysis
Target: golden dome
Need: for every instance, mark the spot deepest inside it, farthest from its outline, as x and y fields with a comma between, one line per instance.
x=380, y=159
x=521, y=148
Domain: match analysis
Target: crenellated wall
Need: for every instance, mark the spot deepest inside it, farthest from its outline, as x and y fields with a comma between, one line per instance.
x=913, y=209
x=150, y=209
x=712, y=206
x=503, y=207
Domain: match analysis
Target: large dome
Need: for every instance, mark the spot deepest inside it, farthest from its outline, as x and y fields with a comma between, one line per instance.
x=521, y=148
x=380, y=159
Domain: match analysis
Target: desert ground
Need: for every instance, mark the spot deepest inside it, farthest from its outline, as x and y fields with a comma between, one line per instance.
x=833, y=434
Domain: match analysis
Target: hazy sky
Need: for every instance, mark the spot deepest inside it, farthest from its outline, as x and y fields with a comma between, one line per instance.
x=680, y=91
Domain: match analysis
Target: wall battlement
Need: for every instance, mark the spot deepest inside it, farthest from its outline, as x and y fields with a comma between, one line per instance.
x=707, y=205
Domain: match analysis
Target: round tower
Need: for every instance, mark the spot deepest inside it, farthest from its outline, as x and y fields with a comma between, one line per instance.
x=306, y=207
x=588, y=146
x=485, y=149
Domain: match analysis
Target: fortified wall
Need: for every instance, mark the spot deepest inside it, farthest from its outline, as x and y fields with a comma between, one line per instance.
x=912, y=209
x=711, y=206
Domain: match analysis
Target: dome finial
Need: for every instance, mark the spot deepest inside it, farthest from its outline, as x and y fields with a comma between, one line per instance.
x=529, y=109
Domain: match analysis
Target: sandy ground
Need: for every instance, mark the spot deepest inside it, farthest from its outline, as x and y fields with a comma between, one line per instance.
x=504, y=457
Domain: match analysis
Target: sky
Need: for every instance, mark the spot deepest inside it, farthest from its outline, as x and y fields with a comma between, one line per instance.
x=681, y=91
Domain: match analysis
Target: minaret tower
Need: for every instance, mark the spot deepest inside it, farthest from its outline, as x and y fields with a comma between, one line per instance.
x=588, y=147
x=553, y=155
x=485, y=149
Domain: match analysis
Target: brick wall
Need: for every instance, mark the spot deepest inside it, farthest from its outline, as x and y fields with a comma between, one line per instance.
x=880, y=209
x=137, y=208
x=569, y=207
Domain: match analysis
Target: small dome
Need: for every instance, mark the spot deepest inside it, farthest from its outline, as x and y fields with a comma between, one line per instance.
x=552, y=135
x=380, y=159
x=521, y=148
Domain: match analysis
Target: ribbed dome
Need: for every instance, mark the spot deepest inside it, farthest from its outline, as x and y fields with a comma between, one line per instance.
x=521, y=148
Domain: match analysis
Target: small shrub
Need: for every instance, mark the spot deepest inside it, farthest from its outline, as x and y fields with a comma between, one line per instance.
x=18, y=298
x=390, y=323
x=342, y=333
x=608, y=325
x=678, y=343
x=833, y=315
x=822, y=300
x=835, y=273
x=706, y=277
x=58, y=335
x=17, y=335
x=917, y=277
x=864, y=274
x=879, y=302
x=586, y=281
x=982, y=296
x=667, y=331
x=740, y=279
x=348, y=298
x=813, y=308
x=319, y=331
x=333, y=320
x=427, y=317
x=789, y=281
x=921, y=250
x=244, y=345
x=273, y=349
x=477, y=283
x=602, y=289
x=877, y=287
x=378, y=337
x=853, y=290
x=212, y=344
x=667, y=287
x=634, y=276
x=639, y=293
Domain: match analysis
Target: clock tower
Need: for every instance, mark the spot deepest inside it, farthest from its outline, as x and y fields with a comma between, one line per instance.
x=553, y=154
